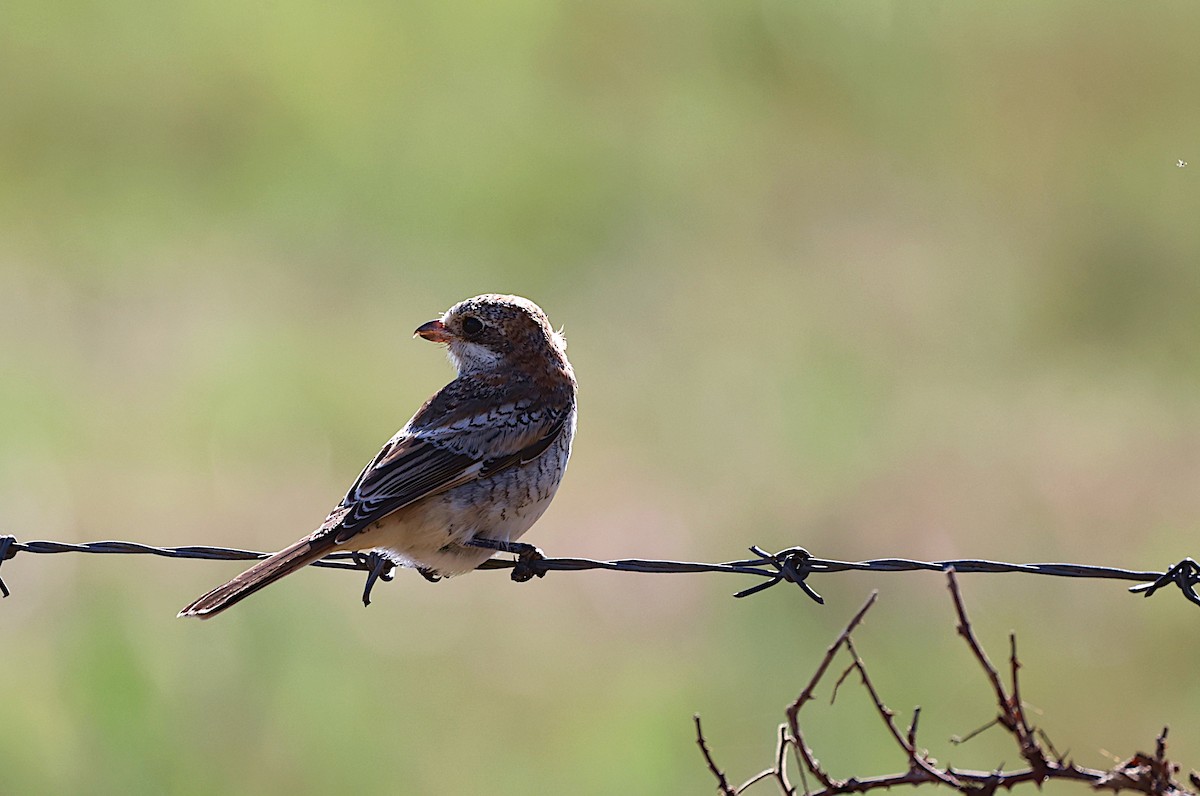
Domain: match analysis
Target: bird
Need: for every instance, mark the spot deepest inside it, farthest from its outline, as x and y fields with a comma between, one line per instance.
x=469, y=473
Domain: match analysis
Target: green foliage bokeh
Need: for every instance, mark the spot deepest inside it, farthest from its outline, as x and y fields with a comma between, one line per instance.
x=882, y=279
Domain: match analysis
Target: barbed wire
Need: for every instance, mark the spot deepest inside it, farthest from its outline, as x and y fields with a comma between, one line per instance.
x=791, y=565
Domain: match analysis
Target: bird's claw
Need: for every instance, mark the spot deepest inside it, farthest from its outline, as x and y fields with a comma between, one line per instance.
x=528, y=564
x=529, y=557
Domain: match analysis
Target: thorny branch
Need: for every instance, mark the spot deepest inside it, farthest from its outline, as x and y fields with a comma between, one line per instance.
x=1152, y=774
x=723, y=786
x=792, y=565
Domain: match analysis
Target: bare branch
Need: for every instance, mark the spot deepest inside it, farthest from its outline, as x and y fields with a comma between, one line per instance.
x=916, y=760
x=1153, y=775
x=780, y=771
x=722, y=784
x=806, y=759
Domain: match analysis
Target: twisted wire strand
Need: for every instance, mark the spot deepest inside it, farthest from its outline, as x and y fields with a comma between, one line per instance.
x=792, y=565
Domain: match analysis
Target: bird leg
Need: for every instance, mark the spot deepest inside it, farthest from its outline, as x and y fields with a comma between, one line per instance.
x=527, y=556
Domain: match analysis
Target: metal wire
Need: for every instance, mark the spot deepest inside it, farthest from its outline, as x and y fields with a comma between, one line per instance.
x=793, y=565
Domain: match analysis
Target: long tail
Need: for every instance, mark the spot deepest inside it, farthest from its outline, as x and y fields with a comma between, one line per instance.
x=264, y=573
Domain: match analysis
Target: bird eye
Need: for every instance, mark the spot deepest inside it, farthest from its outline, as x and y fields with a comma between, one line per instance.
x=472, y=326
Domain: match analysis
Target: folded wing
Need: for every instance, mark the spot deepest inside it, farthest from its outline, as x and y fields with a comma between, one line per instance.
x=427, y=458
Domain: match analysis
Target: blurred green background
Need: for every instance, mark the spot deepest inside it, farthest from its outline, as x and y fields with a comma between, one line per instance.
x=882, y=279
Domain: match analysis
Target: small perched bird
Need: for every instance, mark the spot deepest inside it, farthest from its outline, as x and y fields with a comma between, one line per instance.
x=470, y=472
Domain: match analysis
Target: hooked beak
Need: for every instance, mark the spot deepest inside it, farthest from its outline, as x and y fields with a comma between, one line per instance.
x=435, y=331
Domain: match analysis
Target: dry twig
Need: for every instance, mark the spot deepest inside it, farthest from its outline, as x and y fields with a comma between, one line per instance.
x=1150, y=774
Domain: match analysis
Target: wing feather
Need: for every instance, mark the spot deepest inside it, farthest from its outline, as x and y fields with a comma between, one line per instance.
x=427, y=458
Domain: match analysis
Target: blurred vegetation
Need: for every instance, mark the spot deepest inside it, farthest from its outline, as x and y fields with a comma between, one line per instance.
x=879, y=278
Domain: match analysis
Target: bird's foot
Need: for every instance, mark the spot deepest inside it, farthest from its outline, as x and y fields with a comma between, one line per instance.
x=528, y=556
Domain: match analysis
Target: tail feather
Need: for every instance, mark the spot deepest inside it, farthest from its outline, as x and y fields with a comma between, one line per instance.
x=264, y=573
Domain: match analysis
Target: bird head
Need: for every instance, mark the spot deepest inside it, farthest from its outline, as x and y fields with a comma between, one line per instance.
x=495, y=331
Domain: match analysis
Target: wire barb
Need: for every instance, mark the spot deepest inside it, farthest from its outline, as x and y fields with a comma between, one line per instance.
x=1185, y=575
x=379, y=567
x=792, y=566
